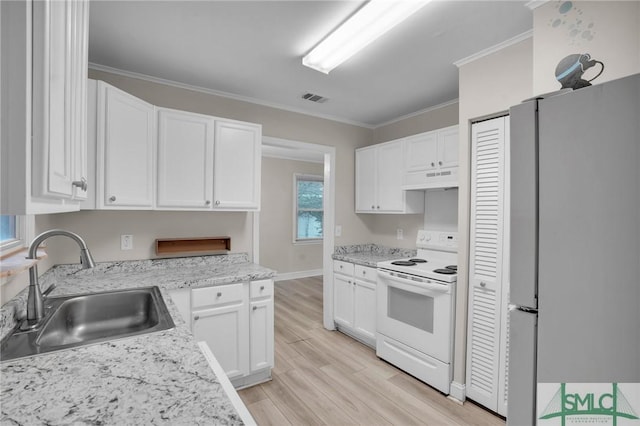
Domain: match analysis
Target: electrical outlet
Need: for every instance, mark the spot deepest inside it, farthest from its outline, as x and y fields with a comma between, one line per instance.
x=399, y=234
x=338, y=230
x=126, y=242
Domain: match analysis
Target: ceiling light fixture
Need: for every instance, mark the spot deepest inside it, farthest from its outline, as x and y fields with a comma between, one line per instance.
x=367, y=24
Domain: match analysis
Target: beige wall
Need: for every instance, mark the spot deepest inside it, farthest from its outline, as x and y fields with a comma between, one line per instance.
x=277, y=250
x=432, y=119
x=488, y=86
x=607, y=30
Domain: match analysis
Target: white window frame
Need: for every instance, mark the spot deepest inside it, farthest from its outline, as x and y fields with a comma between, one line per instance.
x=296, y=178
x=24, y=234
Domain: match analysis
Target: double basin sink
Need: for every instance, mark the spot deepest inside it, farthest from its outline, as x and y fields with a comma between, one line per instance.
x=78, y=320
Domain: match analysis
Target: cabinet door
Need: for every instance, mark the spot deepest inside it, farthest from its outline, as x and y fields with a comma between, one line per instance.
x=390, y=197
x=448, y=142
x=125, y=154
x=421, y=152
x=236, y=181
x=225, y=329
x=261, y=334
x=486, y=278
x=365, y=309
x=185, y=159
x=343, y=293
x=59, y=89
x=365, y=179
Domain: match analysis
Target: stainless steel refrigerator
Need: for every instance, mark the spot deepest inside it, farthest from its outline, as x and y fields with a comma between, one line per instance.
x=575, y=243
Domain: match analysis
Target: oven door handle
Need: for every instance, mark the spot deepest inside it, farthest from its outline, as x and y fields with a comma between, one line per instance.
x=424, y=286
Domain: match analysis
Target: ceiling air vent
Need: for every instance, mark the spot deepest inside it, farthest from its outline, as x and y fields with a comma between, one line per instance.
x=314, y=98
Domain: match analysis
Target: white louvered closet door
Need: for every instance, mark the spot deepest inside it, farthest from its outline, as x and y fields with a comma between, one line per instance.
x=486, y=344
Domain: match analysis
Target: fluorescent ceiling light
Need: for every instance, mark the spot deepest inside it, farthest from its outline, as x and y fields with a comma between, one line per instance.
x=367, y=24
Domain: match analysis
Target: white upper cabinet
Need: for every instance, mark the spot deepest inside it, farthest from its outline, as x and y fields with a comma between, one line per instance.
x=125, y=150
x=164, y=159
x=379, y=181
x=431, y=159
x=185, y=160
x=237, y=161
x=44, y=105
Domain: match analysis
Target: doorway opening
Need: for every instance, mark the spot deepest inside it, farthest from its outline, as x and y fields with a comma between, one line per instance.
x=320, y=158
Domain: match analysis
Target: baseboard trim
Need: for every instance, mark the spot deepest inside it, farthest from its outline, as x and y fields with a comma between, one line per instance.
x=457, y=392
x=297, y=275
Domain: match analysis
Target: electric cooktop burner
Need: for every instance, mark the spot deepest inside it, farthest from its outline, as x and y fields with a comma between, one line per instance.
x=445, y=271
x=452, y=267
x=403, y=263
x=417, y=260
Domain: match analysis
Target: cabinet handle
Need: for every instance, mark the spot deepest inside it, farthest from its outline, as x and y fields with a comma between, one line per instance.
x=208, y=202
x=254, y=308
x=112, y=198
x=219, y=294
x=82, y=183
x=196, y=318
x=483, y=284
x=217, y=202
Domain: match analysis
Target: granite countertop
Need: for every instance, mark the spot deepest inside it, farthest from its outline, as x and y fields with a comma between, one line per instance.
x=370, y=254
x=161, y=377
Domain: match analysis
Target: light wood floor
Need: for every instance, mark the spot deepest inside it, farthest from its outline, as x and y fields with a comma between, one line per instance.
x=325, y=377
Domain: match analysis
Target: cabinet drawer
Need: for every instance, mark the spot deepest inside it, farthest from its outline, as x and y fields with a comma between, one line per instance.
x=343, y=267
x=366, y=273
x=262, y=288
x=217, y=295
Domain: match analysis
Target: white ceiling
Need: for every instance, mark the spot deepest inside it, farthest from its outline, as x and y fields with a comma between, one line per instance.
x=252, y=50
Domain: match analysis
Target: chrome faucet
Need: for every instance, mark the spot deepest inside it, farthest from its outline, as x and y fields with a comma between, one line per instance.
x=35, y=301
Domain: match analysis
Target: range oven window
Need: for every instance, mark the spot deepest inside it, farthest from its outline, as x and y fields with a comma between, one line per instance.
x=410, y=308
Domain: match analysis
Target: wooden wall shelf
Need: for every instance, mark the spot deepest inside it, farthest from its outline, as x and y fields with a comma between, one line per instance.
x=192, y=246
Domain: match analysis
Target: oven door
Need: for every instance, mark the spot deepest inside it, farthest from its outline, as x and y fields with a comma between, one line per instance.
x=417, y=312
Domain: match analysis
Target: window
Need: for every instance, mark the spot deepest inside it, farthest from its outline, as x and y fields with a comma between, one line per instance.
x=13, y=232
x=308, y=208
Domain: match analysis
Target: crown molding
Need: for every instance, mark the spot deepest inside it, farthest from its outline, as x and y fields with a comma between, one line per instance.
x=145, y=77
x=534, y=4
x=494, y=49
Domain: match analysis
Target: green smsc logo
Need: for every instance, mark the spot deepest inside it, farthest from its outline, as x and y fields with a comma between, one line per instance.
x=591, y=404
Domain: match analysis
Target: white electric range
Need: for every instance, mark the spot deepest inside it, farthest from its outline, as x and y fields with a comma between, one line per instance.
x=416, y=305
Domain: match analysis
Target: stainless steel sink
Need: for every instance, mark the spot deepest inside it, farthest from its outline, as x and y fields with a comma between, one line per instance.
x=73, y=321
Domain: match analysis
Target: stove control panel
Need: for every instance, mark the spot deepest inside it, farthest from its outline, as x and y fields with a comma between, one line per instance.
x=438, y=240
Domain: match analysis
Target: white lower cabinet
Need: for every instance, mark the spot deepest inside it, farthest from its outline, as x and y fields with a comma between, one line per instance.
x=354, y=301
x=236, y=322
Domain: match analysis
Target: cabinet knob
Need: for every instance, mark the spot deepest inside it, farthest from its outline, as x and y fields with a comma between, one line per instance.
x=364, y=272
x=112, y=198
x=196, y=318
x=433, y=164
x=254, y=308
x=261, y=287
x=208, y=202
x=373, y=207
x=82, y=183
x=219, y=294
x=483, y=284
x=378, y=207
x=439, y=163
x=217, y=202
